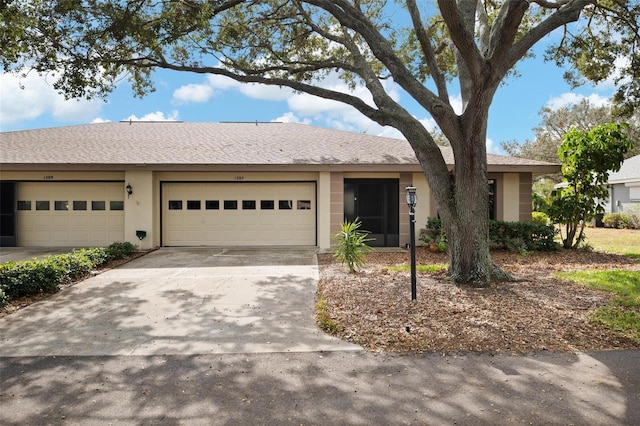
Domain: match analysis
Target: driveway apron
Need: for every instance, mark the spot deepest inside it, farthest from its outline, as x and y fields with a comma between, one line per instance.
x=180, y=301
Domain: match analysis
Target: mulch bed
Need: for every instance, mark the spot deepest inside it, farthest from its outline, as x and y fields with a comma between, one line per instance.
x=373, y=307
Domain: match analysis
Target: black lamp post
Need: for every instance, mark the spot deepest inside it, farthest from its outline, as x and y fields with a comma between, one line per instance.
x=412, y=199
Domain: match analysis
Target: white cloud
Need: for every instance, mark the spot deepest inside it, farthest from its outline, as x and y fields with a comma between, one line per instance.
x=214, y=84
x=456, y=103
x=154, y=116
x=193, y=93
x=571, y=98
x=38, y=97
x=492, y=149
x=289, y=117
x=99, y=120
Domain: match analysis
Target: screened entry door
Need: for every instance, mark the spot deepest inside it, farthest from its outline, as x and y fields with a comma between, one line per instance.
x=376, y=203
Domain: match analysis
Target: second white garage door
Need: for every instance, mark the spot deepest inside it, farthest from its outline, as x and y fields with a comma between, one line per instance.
x=238, y=214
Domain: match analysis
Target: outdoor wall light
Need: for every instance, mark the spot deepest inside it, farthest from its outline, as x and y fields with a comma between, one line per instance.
x=412, y=197
x=129, y=190
x=412, y=200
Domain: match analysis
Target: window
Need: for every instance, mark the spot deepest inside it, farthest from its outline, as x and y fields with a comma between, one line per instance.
x=230, y=205
x=248, y=204
x=116, y=205
x=24, y=205
x=267, y=204
x=79, y=205
x=61, y=205
x=304, y=204
x=175, y=204
x=193, y=204
x=285, y=204
x=42, y=205
x=98, y=205
x=212, y=205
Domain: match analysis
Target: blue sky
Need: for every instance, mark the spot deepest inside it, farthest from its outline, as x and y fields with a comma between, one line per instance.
x=194, y=98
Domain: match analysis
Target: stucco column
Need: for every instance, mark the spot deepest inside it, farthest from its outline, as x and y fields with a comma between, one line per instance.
x=138, y=209
x=324, y=211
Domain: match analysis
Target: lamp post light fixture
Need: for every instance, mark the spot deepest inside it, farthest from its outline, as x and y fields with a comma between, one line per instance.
x=412, y=200
x=129, y=190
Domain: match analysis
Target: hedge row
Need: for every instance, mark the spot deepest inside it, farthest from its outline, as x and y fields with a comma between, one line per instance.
x=514, y=236
x=522, y=236
x=621, y=221
x=29, y=277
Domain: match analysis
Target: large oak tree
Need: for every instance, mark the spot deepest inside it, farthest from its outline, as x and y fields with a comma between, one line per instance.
x=431, y=49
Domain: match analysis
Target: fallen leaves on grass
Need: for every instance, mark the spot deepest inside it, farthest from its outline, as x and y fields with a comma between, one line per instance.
x=373, y=308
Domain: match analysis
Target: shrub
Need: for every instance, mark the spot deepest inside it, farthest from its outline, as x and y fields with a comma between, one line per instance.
x=120, y=249
x=98, y=256
x=522, y=236
x=74, y=265
x=621, y=220
x=26, y=278
x=18, y=279
x=4, y=299
x=540, y=218
x=352, y=245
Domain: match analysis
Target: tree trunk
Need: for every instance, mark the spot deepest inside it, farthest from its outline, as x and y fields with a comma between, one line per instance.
x=466, y=221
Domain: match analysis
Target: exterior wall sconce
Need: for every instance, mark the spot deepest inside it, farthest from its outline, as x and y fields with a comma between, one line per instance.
x=129, y=190
x=412, y=200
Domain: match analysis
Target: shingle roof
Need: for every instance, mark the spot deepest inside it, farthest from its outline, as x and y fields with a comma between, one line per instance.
x=178, y=143
x=629, y=172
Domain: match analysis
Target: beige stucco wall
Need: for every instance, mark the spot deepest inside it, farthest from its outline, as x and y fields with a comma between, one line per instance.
x=510, y=197
x=324, y=210
x=57, y=176
x=139, y=208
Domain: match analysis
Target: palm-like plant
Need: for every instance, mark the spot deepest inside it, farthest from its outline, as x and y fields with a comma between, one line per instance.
x=351, y=247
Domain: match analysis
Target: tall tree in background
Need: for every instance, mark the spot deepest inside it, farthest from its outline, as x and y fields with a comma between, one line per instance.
x=429, y=49
x=555, y=123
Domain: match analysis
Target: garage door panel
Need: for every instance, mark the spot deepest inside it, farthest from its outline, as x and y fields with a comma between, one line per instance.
x=249, y=223
x=71, y=227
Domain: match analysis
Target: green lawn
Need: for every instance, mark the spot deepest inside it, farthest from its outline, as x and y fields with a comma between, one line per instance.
x=622, y=314
x=619, y=241
x=432, y=268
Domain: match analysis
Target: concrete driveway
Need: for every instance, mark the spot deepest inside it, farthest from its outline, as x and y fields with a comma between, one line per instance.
x=180, y=301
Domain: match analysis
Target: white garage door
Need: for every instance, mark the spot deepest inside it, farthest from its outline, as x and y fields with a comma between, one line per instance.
x=69, y=214
x=238, y=214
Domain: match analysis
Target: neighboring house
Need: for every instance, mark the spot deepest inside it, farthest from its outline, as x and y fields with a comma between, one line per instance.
x=624, y=187
x=221, y=184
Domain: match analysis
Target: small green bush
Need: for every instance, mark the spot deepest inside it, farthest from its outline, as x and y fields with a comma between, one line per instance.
x=18, y=279
x=352, y=245
x=540, y=218
x=98, y=256
x=29, y=277
x=74, y=265
x=621, y=221
x=120, y=249
x=522, y=236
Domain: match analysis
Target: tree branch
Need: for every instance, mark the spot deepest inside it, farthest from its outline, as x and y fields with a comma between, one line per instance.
x=570, y=12
x=461, y=37
x=427, y=50
x=505, y=28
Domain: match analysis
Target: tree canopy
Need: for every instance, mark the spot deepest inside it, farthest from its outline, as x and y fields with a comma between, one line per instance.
x=588, y=157
x=431, y=50
x=555, y=123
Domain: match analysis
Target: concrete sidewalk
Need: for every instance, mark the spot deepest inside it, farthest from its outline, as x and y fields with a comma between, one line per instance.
x=180, y=301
